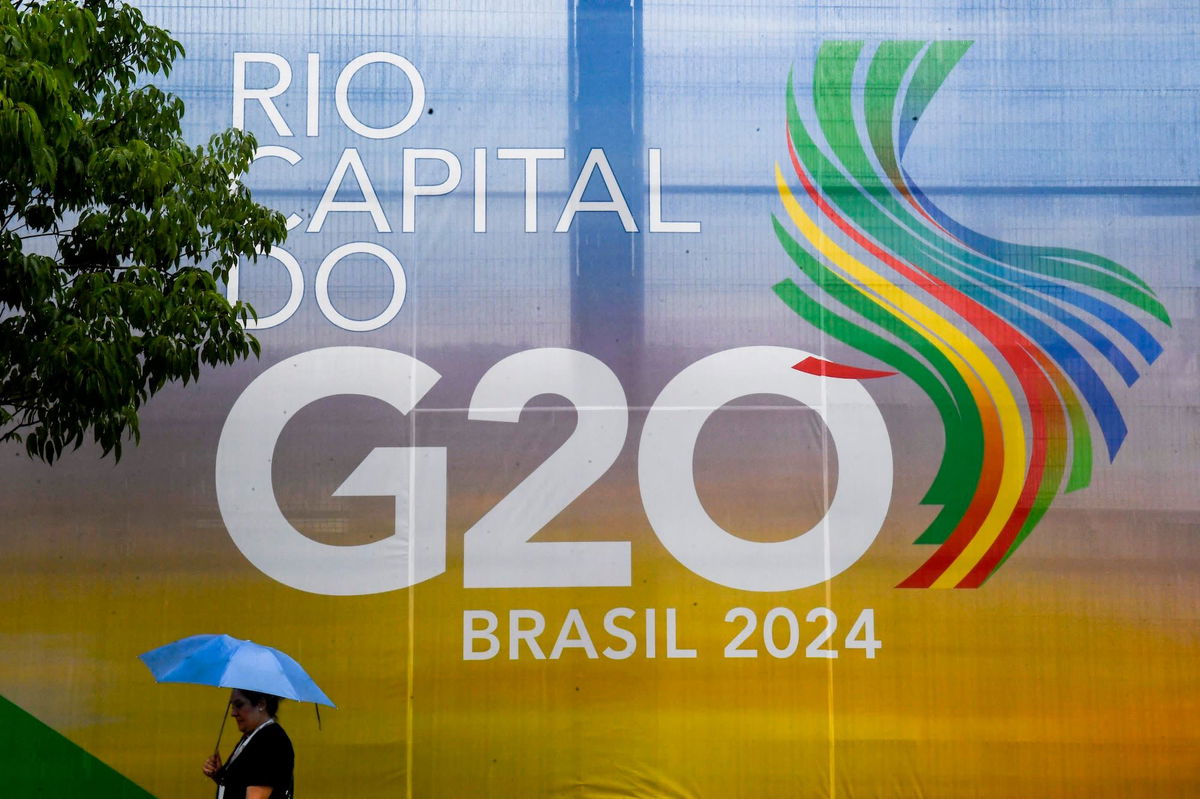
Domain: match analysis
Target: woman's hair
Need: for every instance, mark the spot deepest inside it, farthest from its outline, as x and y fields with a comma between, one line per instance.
x=270, y=700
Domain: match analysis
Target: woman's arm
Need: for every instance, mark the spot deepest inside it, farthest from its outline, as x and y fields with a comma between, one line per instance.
x=258, y=792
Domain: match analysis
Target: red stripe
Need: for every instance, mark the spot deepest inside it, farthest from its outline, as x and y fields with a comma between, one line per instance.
x=819, y=366
x=1054, y=427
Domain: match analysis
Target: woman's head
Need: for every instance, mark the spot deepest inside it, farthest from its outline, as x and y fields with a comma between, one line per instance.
x=251, y=709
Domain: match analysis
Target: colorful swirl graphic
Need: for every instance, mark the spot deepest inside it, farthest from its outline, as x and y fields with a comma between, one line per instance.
x=991, y=331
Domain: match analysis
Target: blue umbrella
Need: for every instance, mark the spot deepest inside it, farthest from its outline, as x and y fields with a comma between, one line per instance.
x=227, y=662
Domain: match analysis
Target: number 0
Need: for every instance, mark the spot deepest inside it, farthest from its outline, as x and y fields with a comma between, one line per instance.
x=668, y=445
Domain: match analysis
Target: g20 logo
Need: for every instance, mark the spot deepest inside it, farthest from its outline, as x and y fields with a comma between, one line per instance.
x=497, y=550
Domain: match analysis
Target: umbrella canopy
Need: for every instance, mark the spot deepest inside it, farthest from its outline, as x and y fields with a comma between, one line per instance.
x=228, y=662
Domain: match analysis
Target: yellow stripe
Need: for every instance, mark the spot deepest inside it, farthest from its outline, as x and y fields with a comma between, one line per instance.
x=994, y=398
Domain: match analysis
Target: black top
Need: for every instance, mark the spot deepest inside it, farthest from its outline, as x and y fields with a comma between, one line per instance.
x=267, y=760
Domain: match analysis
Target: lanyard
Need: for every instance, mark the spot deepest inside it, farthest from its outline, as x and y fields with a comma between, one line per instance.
x=237, y=750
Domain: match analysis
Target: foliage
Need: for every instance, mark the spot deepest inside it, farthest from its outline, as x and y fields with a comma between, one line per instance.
x=114, y=231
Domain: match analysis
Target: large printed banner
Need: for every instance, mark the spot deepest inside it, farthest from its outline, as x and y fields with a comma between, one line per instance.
x=663, y=400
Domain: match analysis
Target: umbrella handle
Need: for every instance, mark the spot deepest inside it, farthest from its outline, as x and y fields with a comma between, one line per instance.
x=224, y=717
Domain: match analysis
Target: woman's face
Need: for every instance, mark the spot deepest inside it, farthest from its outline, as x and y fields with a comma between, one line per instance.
x=247, y=715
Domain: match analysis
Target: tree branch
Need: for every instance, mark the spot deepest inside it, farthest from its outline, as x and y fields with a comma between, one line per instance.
x=12, y=432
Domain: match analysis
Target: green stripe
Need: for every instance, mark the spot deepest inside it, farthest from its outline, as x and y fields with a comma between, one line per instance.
x=940, y=59
x=883, y=85
x=36, y=760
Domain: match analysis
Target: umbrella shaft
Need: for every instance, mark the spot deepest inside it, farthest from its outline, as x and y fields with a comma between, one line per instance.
x=224, y=717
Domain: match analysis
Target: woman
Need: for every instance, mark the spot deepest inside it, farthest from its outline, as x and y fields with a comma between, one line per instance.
x=262, y=762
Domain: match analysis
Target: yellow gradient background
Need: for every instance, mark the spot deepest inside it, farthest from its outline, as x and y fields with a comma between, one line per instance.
x=1069, y=674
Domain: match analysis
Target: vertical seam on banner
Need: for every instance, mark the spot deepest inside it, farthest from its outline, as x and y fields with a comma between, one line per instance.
x=411, y=679
x=825, y=441
x=409, y=682
x=410, y=658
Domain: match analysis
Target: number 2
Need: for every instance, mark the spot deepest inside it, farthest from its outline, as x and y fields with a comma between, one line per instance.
x=497, y=552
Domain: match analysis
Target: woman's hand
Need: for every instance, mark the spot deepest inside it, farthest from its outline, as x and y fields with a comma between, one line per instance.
x=212, y=766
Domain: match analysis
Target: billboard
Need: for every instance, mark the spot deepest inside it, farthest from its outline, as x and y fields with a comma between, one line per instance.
x=663, y=400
